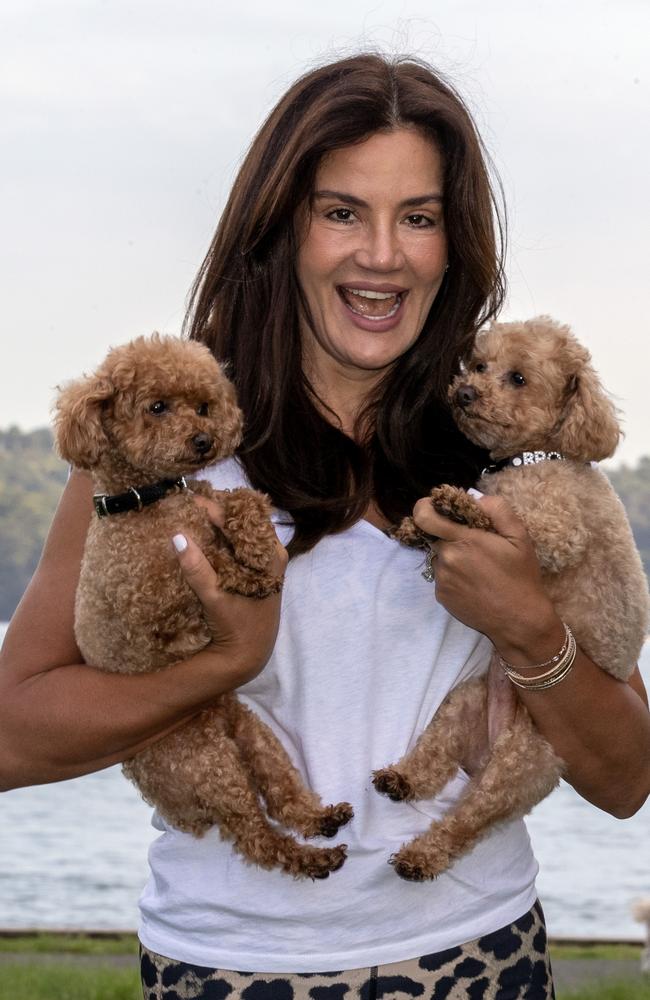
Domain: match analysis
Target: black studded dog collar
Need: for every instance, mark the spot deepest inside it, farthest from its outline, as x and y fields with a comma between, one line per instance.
x=136, y=497
x=524, y=458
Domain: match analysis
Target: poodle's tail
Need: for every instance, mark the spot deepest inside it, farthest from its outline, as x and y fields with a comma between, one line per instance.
x=641, y=911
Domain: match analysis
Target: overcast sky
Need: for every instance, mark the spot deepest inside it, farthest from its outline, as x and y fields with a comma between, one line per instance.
x=122, y=125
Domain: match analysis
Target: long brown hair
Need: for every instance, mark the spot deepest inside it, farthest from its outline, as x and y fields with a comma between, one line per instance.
x=246, y=302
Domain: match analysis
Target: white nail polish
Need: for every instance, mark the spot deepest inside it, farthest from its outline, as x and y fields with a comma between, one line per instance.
x=179, y=542
x=475, y=493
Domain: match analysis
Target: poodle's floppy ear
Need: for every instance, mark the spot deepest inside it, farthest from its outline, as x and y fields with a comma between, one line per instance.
x=588, y=430
x=78, y=431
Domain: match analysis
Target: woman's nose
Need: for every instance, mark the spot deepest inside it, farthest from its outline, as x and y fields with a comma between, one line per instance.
x=379, y=249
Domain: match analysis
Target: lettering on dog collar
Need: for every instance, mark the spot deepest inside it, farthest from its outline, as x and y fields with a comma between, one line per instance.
x=524, y=458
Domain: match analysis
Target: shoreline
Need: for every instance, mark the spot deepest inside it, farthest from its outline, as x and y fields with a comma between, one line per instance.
x=110, y=934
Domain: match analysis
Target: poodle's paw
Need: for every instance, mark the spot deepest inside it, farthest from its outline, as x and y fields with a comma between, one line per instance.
x=390, y=782
x=317, y=862
x=415, y=865
x=454, y=503
x=333, y=819
x=408, y=533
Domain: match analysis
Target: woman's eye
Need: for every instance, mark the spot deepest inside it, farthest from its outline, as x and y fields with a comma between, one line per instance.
x=202, y=409
x=517, y=378
x=158, y=407
x=419, y=221
x=341, y=215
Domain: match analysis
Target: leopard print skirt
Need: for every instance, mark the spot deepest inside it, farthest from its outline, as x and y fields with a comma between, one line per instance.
x=509, y=964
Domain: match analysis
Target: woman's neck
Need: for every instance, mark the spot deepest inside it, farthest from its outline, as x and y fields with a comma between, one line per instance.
x=376, y=518
x=342, y=400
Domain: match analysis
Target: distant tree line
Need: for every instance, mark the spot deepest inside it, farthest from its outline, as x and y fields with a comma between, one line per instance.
x=32, y=478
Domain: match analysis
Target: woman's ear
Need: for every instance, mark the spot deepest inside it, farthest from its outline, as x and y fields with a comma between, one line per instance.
x=589, y=429
x=78, y=428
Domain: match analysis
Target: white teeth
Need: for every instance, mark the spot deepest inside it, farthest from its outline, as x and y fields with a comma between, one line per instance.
x=367, y=294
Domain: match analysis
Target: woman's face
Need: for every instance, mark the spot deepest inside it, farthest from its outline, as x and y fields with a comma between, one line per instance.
x=372, y=253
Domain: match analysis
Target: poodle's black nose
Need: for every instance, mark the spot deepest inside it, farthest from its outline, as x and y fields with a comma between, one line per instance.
x=202, y=442
x=465, y=394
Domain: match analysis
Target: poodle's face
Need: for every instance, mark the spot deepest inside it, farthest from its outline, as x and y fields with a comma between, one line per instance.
x=156, y=408
x=530, y=386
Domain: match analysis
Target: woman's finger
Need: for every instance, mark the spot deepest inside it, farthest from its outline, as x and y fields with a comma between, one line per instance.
x=429, y=521
x=195, y=568
x=505, y=521
x=200, y=574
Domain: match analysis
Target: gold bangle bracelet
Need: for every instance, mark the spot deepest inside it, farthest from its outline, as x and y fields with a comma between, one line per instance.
x=552, y=681
x=568, y=651
x=552, y=662
x=564, y=661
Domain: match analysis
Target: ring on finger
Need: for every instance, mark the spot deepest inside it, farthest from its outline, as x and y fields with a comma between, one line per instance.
x=428, y=572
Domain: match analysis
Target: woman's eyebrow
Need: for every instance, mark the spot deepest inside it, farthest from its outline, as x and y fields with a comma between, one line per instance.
x=351, y=199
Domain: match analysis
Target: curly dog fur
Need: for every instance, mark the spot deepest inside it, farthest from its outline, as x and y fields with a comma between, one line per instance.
x=157, y=408
x=528, y=386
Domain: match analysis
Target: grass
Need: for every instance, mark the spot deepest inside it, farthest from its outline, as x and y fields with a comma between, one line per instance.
x=61, y=982
x=58, y=980
x=612, y=989
x=623, y=990
x=589, y=951
x=71, y=944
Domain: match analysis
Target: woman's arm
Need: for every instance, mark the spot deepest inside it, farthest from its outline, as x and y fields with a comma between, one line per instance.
x=59, y=717
x=598, y=725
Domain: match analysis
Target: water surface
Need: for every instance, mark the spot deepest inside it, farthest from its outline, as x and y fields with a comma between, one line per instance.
x=74, y=855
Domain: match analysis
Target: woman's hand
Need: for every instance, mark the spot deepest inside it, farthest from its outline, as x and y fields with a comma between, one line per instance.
x=491, y=581
x=243, y=629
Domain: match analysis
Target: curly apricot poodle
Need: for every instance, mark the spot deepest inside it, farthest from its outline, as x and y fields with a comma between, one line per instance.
x=156, y=409
x=531, y=397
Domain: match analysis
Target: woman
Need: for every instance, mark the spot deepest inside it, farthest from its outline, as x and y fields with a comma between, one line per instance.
x=354, y=262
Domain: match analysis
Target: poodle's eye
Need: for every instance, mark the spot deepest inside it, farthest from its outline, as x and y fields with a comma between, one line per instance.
x=480, y=367
x=203, y=409
x=158, y=407
x=517, y=378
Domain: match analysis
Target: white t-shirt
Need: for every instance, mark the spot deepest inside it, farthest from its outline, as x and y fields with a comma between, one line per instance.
x=363, y=658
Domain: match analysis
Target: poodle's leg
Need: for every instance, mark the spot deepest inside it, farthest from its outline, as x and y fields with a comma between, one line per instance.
x=248, y=527
x=240, y=817
x=244, y=566
x=451, y=502
x=521, y=770
x=287, y=799
x=457, y=505
x=217, y=784
x=408, y=533
x=441, y=749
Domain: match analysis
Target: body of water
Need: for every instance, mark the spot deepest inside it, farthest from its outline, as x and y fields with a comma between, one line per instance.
x=74, y=855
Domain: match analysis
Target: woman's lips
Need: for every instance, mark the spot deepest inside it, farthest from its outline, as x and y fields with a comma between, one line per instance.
x=372, y=309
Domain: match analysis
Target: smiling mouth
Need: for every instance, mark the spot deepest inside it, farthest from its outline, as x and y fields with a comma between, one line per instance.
x=370, y=304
